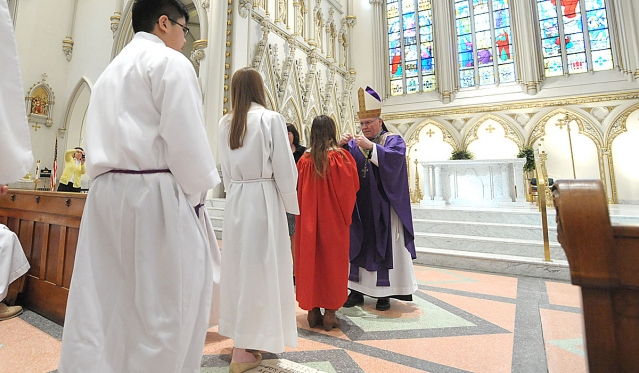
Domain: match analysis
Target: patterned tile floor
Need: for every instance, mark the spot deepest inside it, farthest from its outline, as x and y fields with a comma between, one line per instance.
x=459, y=321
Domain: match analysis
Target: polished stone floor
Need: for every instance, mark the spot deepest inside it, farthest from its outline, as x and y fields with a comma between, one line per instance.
x=459, y=321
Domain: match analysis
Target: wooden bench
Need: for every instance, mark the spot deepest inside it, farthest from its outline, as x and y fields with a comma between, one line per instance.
x=47, y=225
x=604, y=261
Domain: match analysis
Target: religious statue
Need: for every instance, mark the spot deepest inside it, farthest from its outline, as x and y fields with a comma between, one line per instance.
x=282, y=8
x=38, y=106
x=318, y=29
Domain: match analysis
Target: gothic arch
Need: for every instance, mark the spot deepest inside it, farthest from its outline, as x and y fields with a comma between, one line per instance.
x=586, y=127
x=510, y=130
x=412, y=137
x=76, y=112
x=618, y=125
x=292, y=113
x=125, y=32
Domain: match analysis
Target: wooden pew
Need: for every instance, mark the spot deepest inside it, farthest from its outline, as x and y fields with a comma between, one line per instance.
x=604, y=261
x=47, y=224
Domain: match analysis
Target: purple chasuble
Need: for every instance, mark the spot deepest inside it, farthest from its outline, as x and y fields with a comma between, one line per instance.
x=380, y=189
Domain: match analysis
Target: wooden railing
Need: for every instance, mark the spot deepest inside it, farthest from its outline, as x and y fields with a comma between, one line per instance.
x=604, y=261
x=47, y=224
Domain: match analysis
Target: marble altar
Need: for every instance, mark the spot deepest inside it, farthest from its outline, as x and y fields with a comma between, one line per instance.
x=488, y=182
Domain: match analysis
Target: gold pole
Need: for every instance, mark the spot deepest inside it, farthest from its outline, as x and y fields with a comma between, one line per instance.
x=572, y=156
x=541, y=198
x=565, y=121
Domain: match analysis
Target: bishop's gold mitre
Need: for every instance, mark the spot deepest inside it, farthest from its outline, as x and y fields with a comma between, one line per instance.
x=370, y=104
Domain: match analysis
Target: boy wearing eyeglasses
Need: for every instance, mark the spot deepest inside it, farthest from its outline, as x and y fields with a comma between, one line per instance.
x=140, y=295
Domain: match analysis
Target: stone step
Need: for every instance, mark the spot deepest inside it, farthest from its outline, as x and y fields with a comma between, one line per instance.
x=498, y=246
x=495, y=216
x=488, y=262
x=495, y=230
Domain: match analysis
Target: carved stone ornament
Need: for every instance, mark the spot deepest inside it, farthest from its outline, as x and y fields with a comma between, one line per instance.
x=205, y=4
x=67, y=47
x=198, y=54
x=244, y=7
x=115, y=22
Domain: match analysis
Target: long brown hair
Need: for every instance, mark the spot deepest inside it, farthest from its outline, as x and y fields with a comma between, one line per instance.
x=323, y=138
x=246, y=87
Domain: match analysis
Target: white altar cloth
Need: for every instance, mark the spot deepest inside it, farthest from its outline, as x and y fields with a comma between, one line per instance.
x=489, y=182
x=13, y=262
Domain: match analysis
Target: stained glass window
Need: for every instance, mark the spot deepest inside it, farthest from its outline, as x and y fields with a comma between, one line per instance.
x=410, y=45
x=484, y=42
x=575, y=36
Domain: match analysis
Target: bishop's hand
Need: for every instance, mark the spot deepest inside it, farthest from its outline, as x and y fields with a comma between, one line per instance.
x=345, y=138
x=363, y=142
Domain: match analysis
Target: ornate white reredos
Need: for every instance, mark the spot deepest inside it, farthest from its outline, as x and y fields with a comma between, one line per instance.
x=39, y=103
x=301, y=80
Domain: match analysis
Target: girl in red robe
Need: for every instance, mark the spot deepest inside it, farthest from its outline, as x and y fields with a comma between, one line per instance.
x=327, y=187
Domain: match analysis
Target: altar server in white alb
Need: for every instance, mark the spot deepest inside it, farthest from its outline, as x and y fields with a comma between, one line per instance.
x=258, y=302
x=141, y=289
x=15, y=143
x=15, y=154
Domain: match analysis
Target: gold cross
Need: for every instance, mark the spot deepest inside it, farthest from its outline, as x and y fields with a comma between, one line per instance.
x=36, y=126
x=490, y=128
x=561, y=123
x=365, y=169
x=430, y=133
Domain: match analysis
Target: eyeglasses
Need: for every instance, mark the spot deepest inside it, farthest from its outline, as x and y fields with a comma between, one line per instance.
x=184, y=28
x=368, y=122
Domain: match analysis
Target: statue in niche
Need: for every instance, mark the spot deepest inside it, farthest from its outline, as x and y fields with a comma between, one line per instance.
x=318, y=30
x=282, y=8
x=300, y=19
x=332, y=35
x=344, y=42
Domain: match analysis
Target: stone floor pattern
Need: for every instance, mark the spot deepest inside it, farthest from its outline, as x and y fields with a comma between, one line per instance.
x=459, y=321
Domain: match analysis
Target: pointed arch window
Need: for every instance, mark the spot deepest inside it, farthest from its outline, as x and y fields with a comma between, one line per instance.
x=410, y=45
x=574, y=36
x=484, y=42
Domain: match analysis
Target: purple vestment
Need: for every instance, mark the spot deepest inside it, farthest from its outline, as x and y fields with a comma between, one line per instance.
x=381, y=188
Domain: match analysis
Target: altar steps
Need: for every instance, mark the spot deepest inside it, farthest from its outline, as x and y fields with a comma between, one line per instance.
x=498, y=240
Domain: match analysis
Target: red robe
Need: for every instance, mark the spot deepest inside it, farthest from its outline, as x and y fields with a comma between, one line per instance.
x=322, y=230
x=569, y=7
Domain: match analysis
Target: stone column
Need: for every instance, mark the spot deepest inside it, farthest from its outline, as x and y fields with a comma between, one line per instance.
x=527, y=45
x=438, y=184
x=380, y=80
x=508, y=195
x=624, y=36
x=444, y=36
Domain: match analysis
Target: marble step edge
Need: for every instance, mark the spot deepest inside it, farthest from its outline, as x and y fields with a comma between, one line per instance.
x=494, y=263
x=477, y=223
x=488, y=239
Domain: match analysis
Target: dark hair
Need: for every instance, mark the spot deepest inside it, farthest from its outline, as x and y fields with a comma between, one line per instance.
x=145, y=13
x=323, y=138
x=79, y=148
x=296, y=135
x=247, y=86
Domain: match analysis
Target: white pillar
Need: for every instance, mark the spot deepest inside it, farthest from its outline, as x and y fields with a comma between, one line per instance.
x=378, y=33
x=446, y=65
x=527, y=45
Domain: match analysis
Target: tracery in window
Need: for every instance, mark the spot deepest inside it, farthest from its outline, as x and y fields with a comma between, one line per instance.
x=410, y=43
x=579, y=41
x=484, y=42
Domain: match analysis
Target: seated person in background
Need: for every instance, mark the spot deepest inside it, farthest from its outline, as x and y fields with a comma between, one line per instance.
x=73, y=170
x=13, y=264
